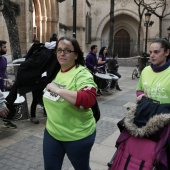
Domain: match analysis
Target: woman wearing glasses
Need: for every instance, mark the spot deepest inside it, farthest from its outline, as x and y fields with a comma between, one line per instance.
x=70, y=127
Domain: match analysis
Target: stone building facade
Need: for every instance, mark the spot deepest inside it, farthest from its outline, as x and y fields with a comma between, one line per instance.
x=96, y=13
x=37, y=19
x=41, y=18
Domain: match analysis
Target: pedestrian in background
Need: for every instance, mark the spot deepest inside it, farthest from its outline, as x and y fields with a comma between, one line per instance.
x=113, y=69
x=91, y=64
x=54, y=37
x=70, y=127
x=3, y=64
x=36, y=94
x=91, y=59
x=3, y=75
x=102, y=60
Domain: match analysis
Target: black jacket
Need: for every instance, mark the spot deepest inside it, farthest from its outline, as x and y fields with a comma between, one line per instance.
x=154, y=118
x=35, y=73
x=112, y=65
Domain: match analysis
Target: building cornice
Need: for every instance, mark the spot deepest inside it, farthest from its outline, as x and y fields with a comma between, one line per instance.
x=63, y=26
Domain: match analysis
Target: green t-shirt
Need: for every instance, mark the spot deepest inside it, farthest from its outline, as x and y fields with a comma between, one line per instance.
x=66, y=122
x=155, y=84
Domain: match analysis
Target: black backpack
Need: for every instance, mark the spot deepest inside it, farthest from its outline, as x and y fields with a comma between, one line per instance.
x=39, y=68
x=96, y=111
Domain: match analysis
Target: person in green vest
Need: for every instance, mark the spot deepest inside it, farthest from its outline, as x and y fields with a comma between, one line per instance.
x=154, y=84
x=154, y=79
x=71, y=126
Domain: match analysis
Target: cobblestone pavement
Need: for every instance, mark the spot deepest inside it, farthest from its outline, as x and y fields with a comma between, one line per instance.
x=21, y=148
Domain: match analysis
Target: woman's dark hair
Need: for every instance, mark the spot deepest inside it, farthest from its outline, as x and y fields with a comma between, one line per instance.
x=101, y=50
x=74, y=42
x=164, y=44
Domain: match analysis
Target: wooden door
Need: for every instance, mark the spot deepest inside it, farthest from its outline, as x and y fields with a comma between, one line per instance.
x=122, y=44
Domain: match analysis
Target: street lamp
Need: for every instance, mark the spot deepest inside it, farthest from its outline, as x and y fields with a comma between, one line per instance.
x=147, y=24
x=74, y=17
x=1, y=5
x=168, y=30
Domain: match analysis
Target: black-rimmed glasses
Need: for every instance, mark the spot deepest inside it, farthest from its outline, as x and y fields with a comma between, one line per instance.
x=59, y=51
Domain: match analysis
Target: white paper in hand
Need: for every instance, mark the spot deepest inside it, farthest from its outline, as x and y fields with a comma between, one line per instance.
x=51, y=96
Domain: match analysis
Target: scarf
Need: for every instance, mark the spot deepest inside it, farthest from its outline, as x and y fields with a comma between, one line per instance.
x=160, y=68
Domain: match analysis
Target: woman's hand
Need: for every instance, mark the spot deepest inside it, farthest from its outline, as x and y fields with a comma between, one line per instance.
x=52, y=87
x=68, y=95
x=140, y=97
x=4, y=112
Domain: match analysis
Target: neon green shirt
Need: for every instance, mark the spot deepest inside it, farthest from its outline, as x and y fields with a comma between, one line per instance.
x=155, y=84
x=66, y=122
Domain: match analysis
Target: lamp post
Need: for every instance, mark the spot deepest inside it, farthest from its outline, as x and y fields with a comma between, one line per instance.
x=1, y=5
x=146, y=24
x=74, y=17
x=168, y=30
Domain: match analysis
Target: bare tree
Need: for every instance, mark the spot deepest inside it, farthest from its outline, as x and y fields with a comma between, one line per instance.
x=7, y=9
x=111, y=41
x=153, y=8
x=141, y=11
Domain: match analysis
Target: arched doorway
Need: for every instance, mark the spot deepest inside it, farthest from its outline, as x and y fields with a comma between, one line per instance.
x=122, y=44
x=45, y=19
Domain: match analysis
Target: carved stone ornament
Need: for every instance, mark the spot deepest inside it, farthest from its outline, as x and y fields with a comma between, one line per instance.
x=97, y=12
x=124, y=2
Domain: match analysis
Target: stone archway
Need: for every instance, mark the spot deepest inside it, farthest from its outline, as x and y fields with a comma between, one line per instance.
x=43, y=20
x=122, y=43
x=49, y=19
x=38, y=26
x=124, y=20
x=46, y=19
